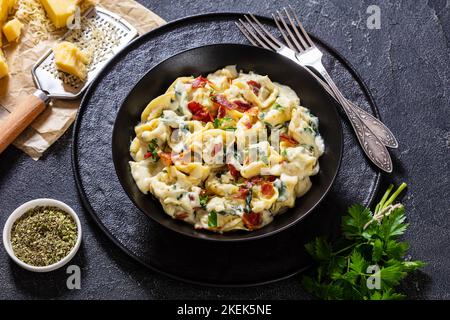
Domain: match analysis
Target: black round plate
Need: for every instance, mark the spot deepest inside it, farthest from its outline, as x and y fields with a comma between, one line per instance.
x=203, y=262
x=201, y=61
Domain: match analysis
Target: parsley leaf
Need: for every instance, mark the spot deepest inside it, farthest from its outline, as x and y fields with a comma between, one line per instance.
x=393, y=225
x=248, y=201
x=153, y=149
x=357, y=262
x=353, y=224
x=218, y=122
x=319, y=249
x=203, y=200
x=212, y=219
x=278, y=107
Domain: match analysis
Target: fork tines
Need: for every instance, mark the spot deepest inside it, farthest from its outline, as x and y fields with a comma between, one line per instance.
x=257, y=34
x=289, y=26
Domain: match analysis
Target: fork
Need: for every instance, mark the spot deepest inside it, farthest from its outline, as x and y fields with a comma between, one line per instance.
x=376, y=126
x=309, y=55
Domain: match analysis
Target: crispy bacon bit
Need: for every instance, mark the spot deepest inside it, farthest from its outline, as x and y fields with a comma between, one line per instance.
x=148, y=155
x=234, y=172
x=235, y=105
x=252, y=219
x=199, y=112
x=259, y=179
x=165, y=157
x=267, y=189
x=191, y=197
x=199, y=82
x=242, y=106
x=255, y=86
x=181, y=215
x=221, y=112
x=195, y=107
x=288, y=139
x=242, y=193
x=256, y=180
x=248, y=125
x=220, y=99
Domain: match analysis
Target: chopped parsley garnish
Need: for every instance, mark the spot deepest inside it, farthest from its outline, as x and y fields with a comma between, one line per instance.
x=281, y=187
x=310, y=130
x=264, y=158
x=248, y=201
x=278, y=107
x=218, y=122
x=153, y=149
x=203, y=200
x=212, y=219
x=313, y=125
x=179, y=111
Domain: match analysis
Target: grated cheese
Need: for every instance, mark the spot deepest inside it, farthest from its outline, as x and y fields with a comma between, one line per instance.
x=33, y=14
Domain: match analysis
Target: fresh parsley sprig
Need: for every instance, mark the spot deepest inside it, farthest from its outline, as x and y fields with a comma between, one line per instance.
x=367, y=262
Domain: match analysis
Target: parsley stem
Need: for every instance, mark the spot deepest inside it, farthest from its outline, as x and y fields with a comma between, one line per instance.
x=345, y=249
x=383, y=200
x=394, y=196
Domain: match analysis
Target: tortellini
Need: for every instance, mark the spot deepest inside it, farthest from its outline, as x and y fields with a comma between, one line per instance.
x=226, y=152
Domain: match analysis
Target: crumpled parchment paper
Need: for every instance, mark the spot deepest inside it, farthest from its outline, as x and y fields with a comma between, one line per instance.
x=60, y=114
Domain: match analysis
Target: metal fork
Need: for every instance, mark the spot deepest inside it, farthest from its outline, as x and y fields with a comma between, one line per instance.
x=373, y=146
x=376, y=126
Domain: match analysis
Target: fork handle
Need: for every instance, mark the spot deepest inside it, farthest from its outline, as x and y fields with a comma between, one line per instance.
x=21, y=118
x=372, y=146
x=376, y=126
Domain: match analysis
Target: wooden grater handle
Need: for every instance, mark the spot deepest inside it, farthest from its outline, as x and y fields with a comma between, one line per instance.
x=21, y=118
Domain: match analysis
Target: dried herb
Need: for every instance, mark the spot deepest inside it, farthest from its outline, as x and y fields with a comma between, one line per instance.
x=43, y=236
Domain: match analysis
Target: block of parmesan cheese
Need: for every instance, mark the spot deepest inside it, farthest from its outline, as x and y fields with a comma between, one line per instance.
x=3, y=66
x=12, y=30
x=69, y=58
x=60, y=12
x=6, y=7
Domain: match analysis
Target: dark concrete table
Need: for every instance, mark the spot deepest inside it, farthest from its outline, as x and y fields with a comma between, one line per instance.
x=405, y=64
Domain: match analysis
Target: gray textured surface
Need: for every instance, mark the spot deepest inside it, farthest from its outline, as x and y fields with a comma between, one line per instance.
x=410, y=84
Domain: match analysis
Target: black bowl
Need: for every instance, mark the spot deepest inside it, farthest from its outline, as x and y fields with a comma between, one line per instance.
x=201, y=61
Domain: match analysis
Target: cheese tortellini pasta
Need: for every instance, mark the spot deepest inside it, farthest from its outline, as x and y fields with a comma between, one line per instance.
x=226, y=152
